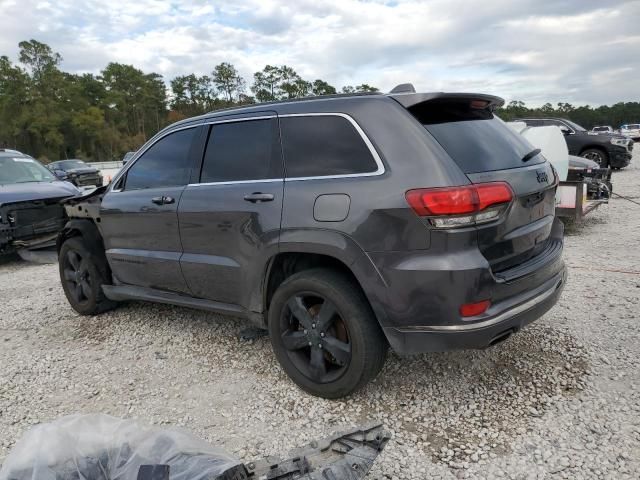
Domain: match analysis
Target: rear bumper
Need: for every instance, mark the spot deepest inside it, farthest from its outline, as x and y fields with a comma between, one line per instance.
x=506, y=318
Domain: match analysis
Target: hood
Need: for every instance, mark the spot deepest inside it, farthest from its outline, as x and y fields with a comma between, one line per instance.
x=605, y=135
x=580, y=162
x=24, y=192
x=81, y=170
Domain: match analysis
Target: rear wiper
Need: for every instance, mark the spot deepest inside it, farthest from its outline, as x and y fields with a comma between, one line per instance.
x=531, y=154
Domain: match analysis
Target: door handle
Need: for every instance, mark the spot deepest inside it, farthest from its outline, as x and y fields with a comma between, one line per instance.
x=164, y=200
x=256, y=197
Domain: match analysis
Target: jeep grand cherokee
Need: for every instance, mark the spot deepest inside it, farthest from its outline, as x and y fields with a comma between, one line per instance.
x=344, y=224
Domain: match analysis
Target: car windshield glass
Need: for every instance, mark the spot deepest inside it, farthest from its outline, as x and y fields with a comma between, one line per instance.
x=575, y=126
x=22, y=170
x=68, y=164
x=633, y=126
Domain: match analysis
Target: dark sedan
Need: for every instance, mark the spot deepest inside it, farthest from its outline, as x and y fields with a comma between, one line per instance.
x=76, y=172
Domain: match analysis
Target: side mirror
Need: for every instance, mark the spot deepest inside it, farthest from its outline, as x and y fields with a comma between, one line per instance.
x=565, y=131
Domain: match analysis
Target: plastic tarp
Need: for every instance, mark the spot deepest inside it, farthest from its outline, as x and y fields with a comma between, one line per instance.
x=550, y=140
x=101, y=447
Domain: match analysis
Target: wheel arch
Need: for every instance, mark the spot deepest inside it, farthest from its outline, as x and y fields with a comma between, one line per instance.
x=594, y=147
x=88, y=230
x=327, y=249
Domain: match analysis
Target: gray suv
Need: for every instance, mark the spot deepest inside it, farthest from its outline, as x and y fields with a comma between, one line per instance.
x=343, y=224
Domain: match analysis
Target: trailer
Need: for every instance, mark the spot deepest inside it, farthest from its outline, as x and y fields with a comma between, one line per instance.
x=574, y=201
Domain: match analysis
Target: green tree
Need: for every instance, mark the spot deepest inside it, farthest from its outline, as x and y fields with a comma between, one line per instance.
x=278, y=83
x=39, y=58
x=359, y=88
x=137, y=101
x=228, y=81
x=192, y=95
x=320, y=87
x=266, y=84
x=14, y=86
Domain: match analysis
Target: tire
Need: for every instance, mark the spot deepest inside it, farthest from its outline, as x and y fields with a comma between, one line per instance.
x=82, y=274
x=599, y=156
x=324, y=333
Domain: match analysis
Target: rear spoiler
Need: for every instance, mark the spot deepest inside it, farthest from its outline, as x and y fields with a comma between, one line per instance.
x=410, y=99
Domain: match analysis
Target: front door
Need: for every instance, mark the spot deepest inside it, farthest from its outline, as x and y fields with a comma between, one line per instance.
x=230, y=214
x=139, y=216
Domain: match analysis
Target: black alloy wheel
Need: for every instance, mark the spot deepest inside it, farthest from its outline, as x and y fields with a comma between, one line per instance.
x=315, y=337
x=77, y=276
x=324, y=333
x=82, y=273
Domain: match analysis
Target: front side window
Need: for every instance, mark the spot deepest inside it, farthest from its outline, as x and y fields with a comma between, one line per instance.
x=242, y=151
x=323, y=145
x=165, y=164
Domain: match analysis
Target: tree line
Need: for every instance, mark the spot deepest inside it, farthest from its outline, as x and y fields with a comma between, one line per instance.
x=586, y=116
x=52, y=114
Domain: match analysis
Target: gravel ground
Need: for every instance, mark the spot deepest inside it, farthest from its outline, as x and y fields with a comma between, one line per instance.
x=559, y=400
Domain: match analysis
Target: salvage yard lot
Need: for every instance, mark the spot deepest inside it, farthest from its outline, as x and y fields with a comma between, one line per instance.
x=559, y=400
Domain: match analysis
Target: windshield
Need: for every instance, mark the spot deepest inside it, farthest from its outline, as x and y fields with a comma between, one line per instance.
x=633, y=126
x=22, y=170
x=69, y=164
x=575, y=126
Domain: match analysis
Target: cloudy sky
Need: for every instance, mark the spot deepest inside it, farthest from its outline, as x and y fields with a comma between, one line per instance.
x=581, y=51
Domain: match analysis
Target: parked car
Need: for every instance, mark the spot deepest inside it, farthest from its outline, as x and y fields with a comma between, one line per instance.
x=606, y=129
x=631, y=130
x=607, y=150
x=30, y=212
x=76, y=172
x=344, y=224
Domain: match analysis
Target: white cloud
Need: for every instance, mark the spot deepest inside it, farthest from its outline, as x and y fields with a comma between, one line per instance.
x=582, y=51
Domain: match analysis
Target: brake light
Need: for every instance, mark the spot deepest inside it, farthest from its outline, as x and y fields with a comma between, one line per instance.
x=460, y=206
x=473, y=309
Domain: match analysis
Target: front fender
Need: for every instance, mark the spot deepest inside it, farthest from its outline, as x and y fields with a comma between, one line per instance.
x=85, y=228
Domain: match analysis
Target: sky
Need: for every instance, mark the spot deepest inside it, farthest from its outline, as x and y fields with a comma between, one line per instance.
x=537, y=51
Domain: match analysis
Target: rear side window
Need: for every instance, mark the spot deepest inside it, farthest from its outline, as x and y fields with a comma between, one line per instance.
x=242, y=151
x=318, y=146
x=475, y=139
x=165, y=164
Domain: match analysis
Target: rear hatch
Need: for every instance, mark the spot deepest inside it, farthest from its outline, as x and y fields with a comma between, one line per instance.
x=486, y=150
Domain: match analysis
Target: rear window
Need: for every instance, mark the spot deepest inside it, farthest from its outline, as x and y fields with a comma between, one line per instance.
x=323, y=145
x=476, y=139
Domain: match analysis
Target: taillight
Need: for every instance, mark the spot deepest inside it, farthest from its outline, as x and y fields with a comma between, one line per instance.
x=461, y=206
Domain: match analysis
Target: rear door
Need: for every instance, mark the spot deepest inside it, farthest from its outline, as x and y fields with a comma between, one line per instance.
x=139, y=217
x=487, y=150
x=230, y=213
